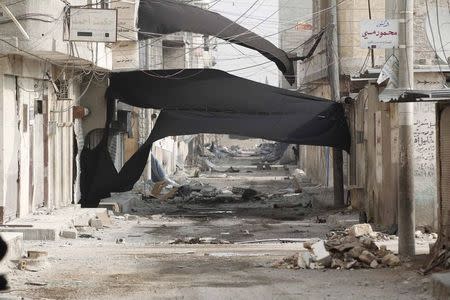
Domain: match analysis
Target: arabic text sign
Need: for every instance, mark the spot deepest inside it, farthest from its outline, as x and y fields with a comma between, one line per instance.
x=126, y=24
x=93, y=25
x=379, y=33
x=125, y=56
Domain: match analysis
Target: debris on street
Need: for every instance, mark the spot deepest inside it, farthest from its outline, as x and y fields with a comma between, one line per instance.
x=354, y=248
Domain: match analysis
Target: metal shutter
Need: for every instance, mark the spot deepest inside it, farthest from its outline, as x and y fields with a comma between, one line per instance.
x=444, y=140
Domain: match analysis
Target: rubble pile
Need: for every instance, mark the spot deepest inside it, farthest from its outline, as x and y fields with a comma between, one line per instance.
x=353, y=248
x=271, y=152
x=219, y=152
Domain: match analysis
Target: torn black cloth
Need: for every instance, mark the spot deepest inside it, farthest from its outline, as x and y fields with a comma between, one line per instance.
x=210, y=90
x=169, y=16
x=208, y=101
x=287, y=128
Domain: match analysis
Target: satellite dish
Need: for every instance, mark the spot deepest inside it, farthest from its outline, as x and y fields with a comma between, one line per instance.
x=438, y=32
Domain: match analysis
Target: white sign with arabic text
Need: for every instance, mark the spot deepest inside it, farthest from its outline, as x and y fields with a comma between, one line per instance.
x=379, y=34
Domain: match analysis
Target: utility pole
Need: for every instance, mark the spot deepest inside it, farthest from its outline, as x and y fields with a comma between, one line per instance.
x=406, y=210
x=333, y=71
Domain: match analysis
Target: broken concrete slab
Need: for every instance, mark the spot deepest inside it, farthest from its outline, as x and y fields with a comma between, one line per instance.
x=320, y=253
x=358, y=230
x=47, y=226
x=69, y=234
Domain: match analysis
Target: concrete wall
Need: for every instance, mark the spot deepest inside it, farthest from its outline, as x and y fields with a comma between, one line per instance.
x=46, y=37
x=36, y=139
x=373, y=163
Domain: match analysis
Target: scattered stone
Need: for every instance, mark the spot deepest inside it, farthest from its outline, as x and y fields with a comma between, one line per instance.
x=418, y=234
x=36, y=254
x=232, y=170
x=35, y=283
x=356, y=251
x=359, y=230
x=197, y=240
x=368, y=243
x=320, y=220
x=366, y=257
x=434, y=236
x=249, y=194
x=304, y=260
x=307, y=245
x=351, y=264
x=86, y=236
x=290, y=262
x=391, y=260
x=69, y=234
x=209, y=191
x=96, y=223
x=336, y=263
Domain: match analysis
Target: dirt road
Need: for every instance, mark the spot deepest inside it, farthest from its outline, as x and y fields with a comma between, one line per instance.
x=140, y=257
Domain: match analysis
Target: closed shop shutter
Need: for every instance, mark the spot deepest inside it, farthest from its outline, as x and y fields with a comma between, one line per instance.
x=444, y=139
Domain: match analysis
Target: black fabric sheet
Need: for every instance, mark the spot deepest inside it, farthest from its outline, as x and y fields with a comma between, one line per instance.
x=170, y=16
x=208, y=101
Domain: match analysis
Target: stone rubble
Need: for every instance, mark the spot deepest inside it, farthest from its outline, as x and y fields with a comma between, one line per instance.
x=353, y=248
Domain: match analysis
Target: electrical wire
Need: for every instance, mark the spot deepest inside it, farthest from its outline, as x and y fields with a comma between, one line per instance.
x=289, y=28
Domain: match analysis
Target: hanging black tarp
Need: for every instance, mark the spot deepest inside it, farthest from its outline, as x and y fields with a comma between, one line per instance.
x=208, y=101
x=170, y=16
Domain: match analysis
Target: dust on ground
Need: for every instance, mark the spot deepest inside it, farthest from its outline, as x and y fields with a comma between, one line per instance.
x=236, y=244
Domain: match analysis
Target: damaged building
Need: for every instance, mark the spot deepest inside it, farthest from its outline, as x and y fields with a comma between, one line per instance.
x=132, y=167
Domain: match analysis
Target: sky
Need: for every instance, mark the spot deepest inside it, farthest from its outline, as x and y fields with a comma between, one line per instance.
x=231, y=57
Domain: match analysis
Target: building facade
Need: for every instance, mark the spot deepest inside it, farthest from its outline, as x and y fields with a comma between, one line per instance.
x=371, y=167
x=52, y=100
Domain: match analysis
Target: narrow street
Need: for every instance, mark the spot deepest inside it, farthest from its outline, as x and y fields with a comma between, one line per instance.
x=211, y=245
x=224, y=149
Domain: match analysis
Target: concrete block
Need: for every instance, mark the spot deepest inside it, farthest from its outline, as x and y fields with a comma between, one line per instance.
x=441, y=286
x=110, y=206
x=358, y=230
x=69, y=234
x=125, y=202
x=321, y=255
